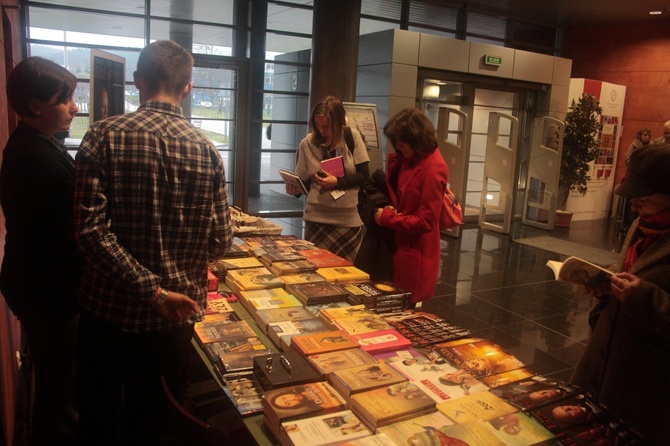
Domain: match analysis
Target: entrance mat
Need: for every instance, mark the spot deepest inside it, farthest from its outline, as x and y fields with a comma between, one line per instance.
x=594, y=255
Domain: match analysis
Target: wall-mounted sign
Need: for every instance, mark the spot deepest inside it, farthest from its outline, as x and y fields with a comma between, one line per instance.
x=492, y=60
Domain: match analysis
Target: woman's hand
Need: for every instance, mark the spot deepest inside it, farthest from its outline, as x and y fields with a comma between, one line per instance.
x=623, y=285
x=325, y=180
x=378, y=213
x=292, y=189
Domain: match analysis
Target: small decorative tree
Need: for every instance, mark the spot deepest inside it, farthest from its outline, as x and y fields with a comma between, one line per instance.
x=580, y=146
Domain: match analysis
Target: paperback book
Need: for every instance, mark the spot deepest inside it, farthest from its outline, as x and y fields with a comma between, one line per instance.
x=391, y=404
x=244, y=344
x=404, y=432
x=320, y=292
x=574, y=411
x=292, y=179
x=482, y=406
x=362, y=323
x=244, y=391
x=316, y=308
x=480, y=357
x=377, y=293
x=218, y=303
x=358, y=379
x=328, y=315
x=326, y=363
x=435, y=376
x=297, y=402
x=380, y=341
x=322, y=342
x=323, y=430
x=272, y=298
x=341, y=274
x=277, y=330
x=291, y=267
x=280, y=254
x=264, y=317
x=252, y=279
x=334, y=166
x=221, y=267
x=580, y=272
x=310, y=277
x=535, y=391
x=323, y=258
x=424, y=329
x=213, y=332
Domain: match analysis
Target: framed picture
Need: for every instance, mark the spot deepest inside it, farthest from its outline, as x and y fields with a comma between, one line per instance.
x=107, y=85
x=363, y=117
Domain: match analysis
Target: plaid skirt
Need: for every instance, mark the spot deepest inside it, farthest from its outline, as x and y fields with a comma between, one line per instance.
x=341, y=241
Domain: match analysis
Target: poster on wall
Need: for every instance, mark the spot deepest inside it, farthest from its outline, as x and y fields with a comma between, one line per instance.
x=107, y=85
x=597, y=203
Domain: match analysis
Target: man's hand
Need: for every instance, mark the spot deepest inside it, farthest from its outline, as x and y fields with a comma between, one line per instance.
x=177, y=307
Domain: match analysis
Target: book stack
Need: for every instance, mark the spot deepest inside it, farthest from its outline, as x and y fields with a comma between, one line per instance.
x=342, y=274
x=282, y=332
x=481, y=406
x=424, y=329
x=323, y=430
x=252, y=279
x=221, y=330
x=391, y=404
x=323, y=258
x=221, y=267
x=271, y=298
x=378, y=296
x=317, y=292
x=239, y=248
x=298, y=402
x=329, y=362
x=322, y=342
x=309, y=277
x=212, y=281
x=264, y=317
x=480, y=357
x=365, y=322
x=316, y=308
x=291, y=267
x=365, y=377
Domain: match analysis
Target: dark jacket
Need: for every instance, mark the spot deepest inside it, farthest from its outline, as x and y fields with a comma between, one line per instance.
x=626, y=364
x=376, y=252
x=42, y=266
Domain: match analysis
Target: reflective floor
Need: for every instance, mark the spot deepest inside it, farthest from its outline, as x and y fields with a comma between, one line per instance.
x=503, y=291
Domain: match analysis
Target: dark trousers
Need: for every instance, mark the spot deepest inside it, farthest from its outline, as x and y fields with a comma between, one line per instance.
x=118, y=381
x=52, y=347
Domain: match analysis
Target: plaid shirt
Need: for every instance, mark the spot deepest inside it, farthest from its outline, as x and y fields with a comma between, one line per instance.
x=151, y=208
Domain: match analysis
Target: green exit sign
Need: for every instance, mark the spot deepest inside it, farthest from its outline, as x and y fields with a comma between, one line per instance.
x=493, y=60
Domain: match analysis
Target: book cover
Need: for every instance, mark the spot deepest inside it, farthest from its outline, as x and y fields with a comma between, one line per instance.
x=403, y=432
x=237, y=361
x=381, y=340
x=364, y=377
x=279, y=254
x=334, y=166
x=390, y=404
x=219, y=316
x=468, y=434
x=300, y=401
x=252, y=279
x=244, y=391
x=534, y=391
x=323, y=430
x=264, y=317
x=482, y=406
x=291, y=267
x=342, y=274
x=567, y=413
x=328, y=315
x=245, y=344
x=217, y=303
x=518, y=429
x=424, y=329
x=481, y=357
x=328, y=362
x=377, y=292
x=363, y=323
x=309, y=277
x=213, y=332
x=293, y=180
x=580, y=272
x=322, y=342
x=320, y=292
x=283, y=328
x=503, y=378
x=239, y=248
x=272, y=298
x=221, y=267
x=323, y=258
x=437, y=377
x=316, y=308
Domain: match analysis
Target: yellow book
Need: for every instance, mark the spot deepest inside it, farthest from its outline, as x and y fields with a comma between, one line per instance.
x=343, y=274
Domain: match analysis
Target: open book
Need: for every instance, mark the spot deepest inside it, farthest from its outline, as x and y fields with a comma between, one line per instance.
x=580, y=272
x=293, y=179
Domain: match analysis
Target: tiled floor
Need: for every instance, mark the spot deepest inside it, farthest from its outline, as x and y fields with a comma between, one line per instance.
x=503, y=291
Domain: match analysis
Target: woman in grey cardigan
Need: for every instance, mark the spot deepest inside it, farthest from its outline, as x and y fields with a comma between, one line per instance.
x=626, y=365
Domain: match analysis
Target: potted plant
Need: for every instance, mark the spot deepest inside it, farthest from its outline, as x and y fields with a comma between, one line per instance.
x=580, y=147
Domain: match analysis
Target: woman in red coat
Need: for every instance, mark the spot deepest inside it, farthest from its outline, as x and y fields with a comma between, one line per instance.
x=417, y=177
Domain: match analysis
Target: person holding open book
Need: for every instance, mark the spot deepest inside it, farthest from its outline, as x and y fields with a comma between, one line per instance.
x=417, y=179
x=331, y=210
x=625, y=365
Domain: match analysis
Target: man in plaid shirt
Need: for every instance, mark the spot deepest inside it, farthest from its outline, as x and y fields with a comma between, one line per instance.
x=151, y=208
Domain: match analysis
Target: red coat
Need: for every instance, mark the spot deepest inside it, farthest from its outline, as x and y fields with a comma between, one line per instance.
x=416, y=188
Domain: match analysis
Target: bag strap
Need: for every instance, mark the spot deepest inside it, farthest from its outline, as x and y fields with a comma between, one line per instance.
x=349, y=138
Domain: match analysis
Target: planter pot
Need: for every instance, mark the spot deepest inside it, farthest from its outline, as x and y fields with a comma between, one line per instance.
x=563, y=219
